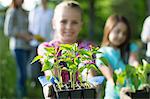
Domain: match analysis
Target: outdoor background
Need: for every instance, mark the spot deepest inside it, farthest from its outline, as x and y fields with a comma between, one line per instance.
x=95, y=13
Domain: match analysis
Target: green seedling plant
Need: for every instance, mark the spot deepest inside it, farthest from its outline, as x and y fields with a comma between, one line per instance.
x=136, y=78
x=72, y=56
x=88, y=61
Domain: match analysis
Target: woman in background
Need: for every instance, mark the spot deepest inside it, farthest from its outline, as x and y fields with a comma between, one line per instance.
x=16, y=28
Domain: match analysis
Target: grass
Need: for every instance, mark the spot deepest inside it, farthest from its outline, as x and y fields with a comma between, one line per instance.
x=8, y=73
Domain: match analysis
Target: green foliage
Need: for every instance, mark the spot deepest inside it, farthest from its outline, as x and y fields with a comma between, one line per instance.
x=8, y=73
x=7, y=69
x=104, y=60
x=135, y=78
x=36, y=58
x=72, y=55
x=134, y=10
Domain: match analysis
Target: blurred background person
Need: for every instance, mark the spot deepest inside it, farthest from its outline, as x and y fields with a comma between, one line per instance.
x=118, y=50
x=40, y=26
x=16, y=28
x=145, y=36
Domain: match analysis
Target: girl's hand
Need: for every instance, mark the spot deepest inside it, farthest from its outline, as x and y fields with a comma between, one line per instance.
x=123, y=92
x=47, y=91
x=108, y=73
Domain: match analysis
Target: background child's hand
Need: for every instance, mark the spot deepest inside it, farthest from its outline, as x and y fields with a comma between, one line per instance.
x=123, y=92
x=26, y=37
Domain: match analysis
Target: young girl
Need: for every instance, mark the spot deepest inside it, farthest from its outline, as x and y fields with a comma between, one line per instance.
x=116, y=48
x=67, y=22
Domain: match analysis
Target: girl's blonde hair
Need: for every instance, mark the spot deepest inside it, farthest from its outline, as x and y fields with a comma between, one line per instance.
x=69, y=4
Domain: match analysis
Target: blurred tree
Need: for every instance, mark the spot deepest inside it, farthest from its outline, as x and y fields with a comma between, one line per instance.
x=99, y=11
x=91, y=16
x=134, y=11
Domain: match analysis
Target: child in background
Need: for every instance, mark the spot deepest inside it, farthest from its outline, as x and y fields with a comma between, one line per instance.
x=40, y=26
x=117, y=49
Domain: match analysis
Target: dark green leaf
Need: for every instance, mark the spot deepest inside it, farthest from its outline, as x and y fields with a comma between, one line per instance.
x=104, y=60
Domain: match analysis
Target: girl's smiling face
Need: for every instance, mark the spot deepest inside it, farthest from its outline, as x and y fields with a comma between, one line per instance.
x=67, y=24
x=118, y=34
